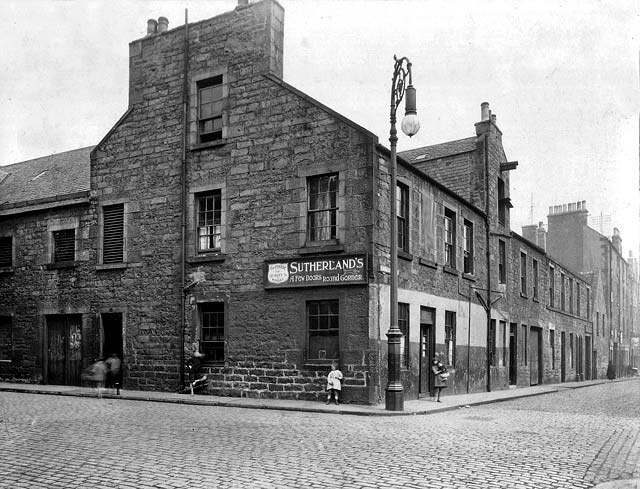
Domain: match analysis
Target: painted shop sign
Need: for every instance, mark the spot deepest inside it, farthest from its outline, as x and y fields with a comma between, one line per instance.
x=313, y=272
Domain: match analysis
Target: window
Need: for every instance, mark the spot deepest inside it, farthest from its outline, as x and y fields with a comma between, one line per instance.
x=535, y=279
x=503, y=203
x=450, y=337
x=578, y=298
x=403, y=325
x=552, y=346
x=322, y=213
x=588, y=294
x=209, y=221
x=502, y=263
x=492, y=342
x=6, y=251
x=468, y=247
x=571, y=295
x=6, y=339
x=402, y=213
x=324, y=327
x=523, y=273
x=64, y=245
x=552, y=286
x=562, y=292
x=210, y=104
x=212, y=336
x=113, y=233
x=525, y=345
x=597, y=323
x=450, y=238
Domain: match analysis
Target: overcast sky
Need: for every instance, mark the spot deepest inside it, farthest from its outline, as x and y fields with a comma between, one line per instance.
x=561, y=76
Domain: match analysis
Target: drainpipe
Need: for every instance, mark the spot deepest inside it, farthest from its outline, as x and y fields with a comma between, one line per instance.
x=183, y=195
x=488, y=254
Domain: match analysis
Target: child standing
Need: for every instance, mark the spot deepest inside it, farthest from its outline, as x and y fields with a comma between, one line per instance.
x=333, y=383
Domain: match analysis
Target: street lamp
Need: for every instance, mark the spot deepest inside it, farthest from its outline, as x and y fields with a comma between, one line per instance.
x=394, y=396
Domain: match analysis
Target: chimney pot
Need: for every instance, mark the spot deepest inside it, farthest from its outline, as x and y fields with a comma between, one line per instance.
x=163, y=24
x=152, y=26
x=493, y=118
x=484, y=111
x=242, y=3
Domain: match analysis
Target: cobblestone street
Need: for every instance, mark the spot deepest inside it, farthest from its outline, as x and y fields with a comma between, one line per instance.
x=570, y=439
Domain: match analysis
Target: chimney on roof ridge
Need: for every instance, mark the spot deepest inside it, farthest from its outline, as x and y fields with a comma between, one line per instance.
x=163, y=24
x=485, y=113
x=152, y=26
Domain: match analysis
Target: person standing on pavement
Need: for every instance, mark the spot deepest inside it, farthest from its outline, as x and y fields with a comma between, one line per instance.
x=334, y=385
x=441, y=375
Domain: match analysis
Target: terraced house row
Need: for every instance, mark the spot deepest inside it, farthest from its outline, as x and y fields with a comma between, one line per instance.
x=229, y=212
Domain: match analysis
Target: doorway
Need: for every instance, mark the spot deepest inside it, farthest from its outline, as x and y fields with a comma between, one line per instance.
x=563, y=357
x=535, y=355
x=427, y=349
x=513, y=354
x=64, y=349
x=112, y=334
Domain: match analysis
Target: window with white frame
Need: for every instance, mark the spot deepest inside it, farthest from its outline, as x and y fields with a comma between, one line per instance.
x=468, y=247
x=450, y=238
x=402, y=216
x=210, y=106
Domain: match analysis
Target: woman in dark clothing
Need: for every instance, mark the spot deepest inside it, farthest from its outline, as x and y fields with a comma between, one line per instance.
x=440, y=373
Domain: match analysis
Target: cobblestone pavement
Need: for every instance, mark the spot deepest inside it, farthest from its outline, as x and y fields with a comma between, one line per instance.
x=570, y=439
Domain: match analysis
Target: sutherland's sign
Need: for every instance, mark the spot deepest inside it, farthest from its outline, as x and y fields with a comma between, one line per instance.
x=307, y=272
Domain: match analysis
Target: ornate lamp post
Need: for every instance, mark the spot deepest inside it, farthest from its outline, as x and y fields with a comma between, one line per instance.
x=394, y=396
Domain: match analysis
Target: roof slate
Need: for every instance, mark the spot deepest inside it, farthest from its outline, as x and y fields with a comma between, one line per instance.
x=439, y=150
x=46, y=177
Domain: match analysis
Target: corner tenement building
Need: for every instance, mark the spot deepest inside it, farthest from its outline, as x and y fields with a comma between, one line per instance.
x=229, y=212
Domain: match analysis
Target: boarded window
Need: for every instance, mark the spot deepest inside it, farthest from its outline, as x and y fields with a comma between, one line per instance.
x=64, y=245
x=6, y=251
x=113, y=233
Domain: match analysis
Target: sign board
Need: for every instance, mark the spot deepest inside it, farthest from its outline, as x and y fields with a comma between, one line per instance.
x=314, y=272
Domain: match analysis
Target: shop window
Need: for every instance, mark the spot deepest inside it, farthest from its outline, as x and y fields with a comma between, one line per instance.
x=402, y=217
x=64, y=245
x=113, y=233
x=450, y=338
x=403, y=325
x=210, y=106
x=322, y=210
x=209, y=221
x=6, y=251
x=212, y=331
x=323, y=321
x=450, y=238
x=468, y=247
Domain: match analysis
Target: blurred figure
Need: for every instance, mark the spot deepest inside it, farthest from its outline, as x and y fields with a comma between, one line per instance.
x=96, y=375
x=113, y=373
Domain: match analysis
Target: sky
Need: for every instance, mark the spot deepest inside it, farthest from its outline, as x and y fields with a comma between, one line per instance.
x=562, y=78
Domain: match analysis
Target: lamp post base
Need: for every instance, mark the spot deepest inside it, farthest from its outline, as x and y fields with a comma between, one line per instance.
x=394, y=399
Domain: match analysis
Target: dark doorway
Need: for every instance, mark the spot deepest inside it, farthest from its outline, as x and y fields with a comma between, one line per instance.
x=535, y=357
x=64, y=349
x=563, y=357
x=112, y=335
x=587, y=357
x=513, y=354
x=427, y=349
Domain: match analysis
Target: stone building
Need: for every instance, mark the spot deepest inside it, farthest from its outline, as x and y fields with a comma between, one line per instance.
x=228, y=212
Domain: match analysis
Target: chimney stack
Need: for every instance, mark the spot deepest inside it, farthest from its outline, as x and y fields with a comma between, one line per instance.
x=163, y=24
x=484, y=111
x=152, y=26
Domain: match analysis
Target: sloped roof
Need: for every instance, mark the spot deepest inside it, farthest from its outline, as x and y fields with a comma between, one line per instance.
x=47, y=177
x=439, y=150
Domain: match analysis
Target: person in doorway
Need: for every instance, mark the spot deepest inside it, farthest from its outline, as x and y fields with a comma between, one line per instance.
x=441, y=374
x=194, y=365
x=113, y=370
x=334, y=385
